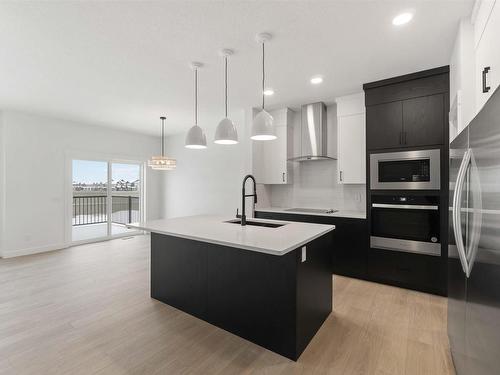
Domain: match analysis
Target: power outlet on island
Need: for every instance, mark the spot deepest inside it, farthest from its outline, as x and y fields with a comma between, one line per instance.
x=304, y=254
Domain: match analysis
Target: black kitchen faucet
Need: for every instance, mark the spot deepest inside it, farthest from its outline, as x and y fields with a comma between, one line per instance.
x=244, y=196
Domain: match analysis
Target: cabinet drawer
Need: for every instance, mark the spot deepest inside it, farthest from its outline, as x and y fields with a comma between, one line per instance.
x=414, y=271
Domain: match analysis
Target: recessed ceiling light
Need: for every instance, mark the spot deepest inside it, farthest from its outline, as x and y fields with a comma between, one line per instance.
x=402, y=18
x=268, y=92
x=316, y=80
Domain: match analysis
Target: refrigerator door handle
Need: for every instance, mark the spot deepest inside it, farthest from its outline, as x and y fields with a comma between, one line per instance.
x=477, y=209
x=457, y=198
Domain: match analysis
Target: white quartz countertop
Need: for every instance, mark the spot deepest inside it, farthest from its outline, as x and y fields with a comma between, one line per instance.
x=214, y=229
x=340, y=213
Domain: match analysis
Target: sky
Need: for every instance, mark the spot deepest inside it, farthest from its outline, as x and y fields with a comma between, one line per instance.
x=88, y=171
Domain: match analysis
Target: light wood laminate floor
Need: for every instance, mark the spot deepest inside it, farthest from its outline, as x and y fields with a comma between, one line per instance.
x=87, y=310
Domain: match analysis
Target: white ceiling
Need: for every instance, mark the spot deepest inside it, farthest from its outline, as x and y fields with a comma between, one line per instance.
x=123, y=64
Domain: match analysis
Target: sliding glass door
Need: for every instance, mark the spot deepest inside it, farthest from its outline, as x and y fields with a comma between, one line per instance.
x=106, y=195
x=125, y=196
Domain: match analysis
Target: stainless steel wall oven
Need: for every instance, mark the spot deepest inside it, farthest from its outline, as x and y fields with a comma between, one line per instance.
x=406, y=223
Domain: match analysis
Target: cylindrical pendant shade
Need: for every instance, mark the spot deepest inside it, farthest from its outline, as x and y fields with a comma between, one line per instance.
x=162, y=163
x=196, y=138
x=262, y=128
x=226, y=133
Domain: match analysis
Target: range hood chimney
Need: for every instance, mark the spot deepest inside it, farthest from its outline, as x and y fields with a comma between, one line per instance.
x=313, y=133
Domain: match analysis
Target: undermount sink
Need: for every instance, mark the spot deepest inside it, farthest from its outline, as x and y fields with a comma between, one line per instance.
x=256, y=223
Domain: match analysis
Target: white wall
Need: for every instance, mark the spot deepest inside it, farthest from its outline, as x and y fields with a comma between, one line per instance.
x=206, y=181
x=35, y=150
x=315, y=182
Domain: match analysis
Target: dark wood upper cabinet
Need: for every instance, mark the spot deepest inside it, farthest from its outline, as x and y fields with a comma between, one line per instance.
x=407, y=111
x=423, y=121
x=384, y=125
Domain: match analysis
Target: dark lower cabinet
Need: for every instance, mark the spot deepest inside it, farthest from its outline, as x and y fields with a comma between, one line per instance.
x=352, y=256
x=407, y=270
x=349, y=240
x=278, y=302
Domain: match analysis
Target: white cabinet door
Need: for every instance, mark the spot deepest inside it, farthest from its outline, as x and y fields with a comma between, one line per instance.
x=488, y=56
x=351, y=149
x=276, y=158
x=270, y=158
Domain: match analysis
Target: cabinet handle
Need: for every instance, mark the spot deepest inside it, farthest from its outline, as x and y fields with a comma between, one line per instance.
x=340, y=175
x=283, y=176
x=485, y=72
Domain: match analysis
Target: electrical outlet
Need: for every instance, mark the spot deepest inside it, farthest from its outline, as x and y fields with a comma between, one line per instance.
x=304, y=254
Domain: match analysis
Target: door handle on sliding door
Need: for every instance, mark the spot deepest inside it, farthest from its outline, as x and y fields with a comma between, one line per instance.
x=456, y=214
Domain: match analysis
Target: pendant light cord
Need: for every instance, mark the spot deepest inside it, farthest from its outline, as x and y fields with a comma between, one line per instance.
x=163, y=136
x=196, y=96
x=263, y=76
x=225, y=84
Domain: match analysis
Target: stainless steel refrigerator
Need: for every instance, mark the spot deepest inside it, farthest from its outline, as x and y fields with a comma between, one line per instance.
x=474, y=244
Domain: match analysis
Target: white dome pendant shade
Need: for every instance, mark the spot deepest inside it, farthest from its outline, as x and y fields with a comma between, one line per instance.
x=263, y=128
x=162, y=162
x=263, y=123
x=196, y=138
x=226, y=133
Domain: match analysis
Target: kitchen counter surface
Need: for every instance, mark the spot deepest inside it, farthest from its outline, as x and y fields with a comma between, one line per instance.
x=340, y=213
x=215, y=229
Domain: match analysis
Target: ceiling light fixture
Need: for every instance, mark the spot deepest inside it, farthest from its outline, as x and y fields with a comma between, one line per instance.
x=402, y=18
x=196, y=138
x=316, y=80
x=268, y=92
x=226, y=133
x=162, y=162
x=263, y=128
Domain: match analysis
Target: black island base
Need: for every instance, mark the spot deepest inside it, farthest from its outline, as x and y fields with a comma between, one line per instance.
x=276, y=301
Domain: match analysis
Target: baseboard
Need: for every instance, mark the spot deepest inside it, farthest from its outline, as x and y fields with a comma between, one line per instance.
x=32, y=250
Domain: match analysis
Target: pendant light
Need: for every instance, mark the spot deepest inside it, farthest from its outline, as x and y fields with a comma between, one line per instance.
x=263, y=128
x=162, y=162
x=196, y=138
x=226, y=133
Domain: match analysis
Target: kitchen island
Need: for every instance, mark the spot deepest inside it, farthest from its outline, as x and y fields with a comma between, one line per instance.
x=269, y=282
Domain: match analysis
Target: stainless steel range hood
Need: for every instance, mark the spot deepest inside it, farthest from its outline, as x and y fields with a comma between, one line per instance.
x=313, y=133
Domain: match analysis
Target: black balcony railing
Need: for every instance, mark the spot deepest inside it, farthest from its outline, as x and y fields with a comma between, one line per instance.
x=93, y=209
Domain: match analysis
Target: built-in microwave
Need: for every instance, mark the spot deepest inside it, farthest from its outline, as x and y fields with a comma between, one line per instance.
x=419, y=169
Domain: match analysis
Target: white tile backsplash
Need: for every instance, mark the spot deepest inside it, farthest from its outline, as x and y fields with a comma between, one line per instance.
x=315, y=186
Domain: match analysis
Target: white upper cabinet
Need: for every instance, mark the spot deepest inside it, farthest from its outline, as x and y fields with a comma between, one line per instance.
x=462, y=83
x=487, y=52
x=270, y=158
x=351, y=139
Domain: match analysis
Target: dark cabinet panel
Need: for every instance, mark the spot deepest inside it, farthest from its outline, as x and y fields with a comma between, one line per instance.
x=384, y=125
x=349, y=248
x=423, y=121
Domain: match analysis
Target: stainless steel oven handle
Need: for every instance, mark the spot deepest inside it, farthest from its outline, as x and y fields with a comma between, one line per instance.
x=405, y=206
x=456, y=214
